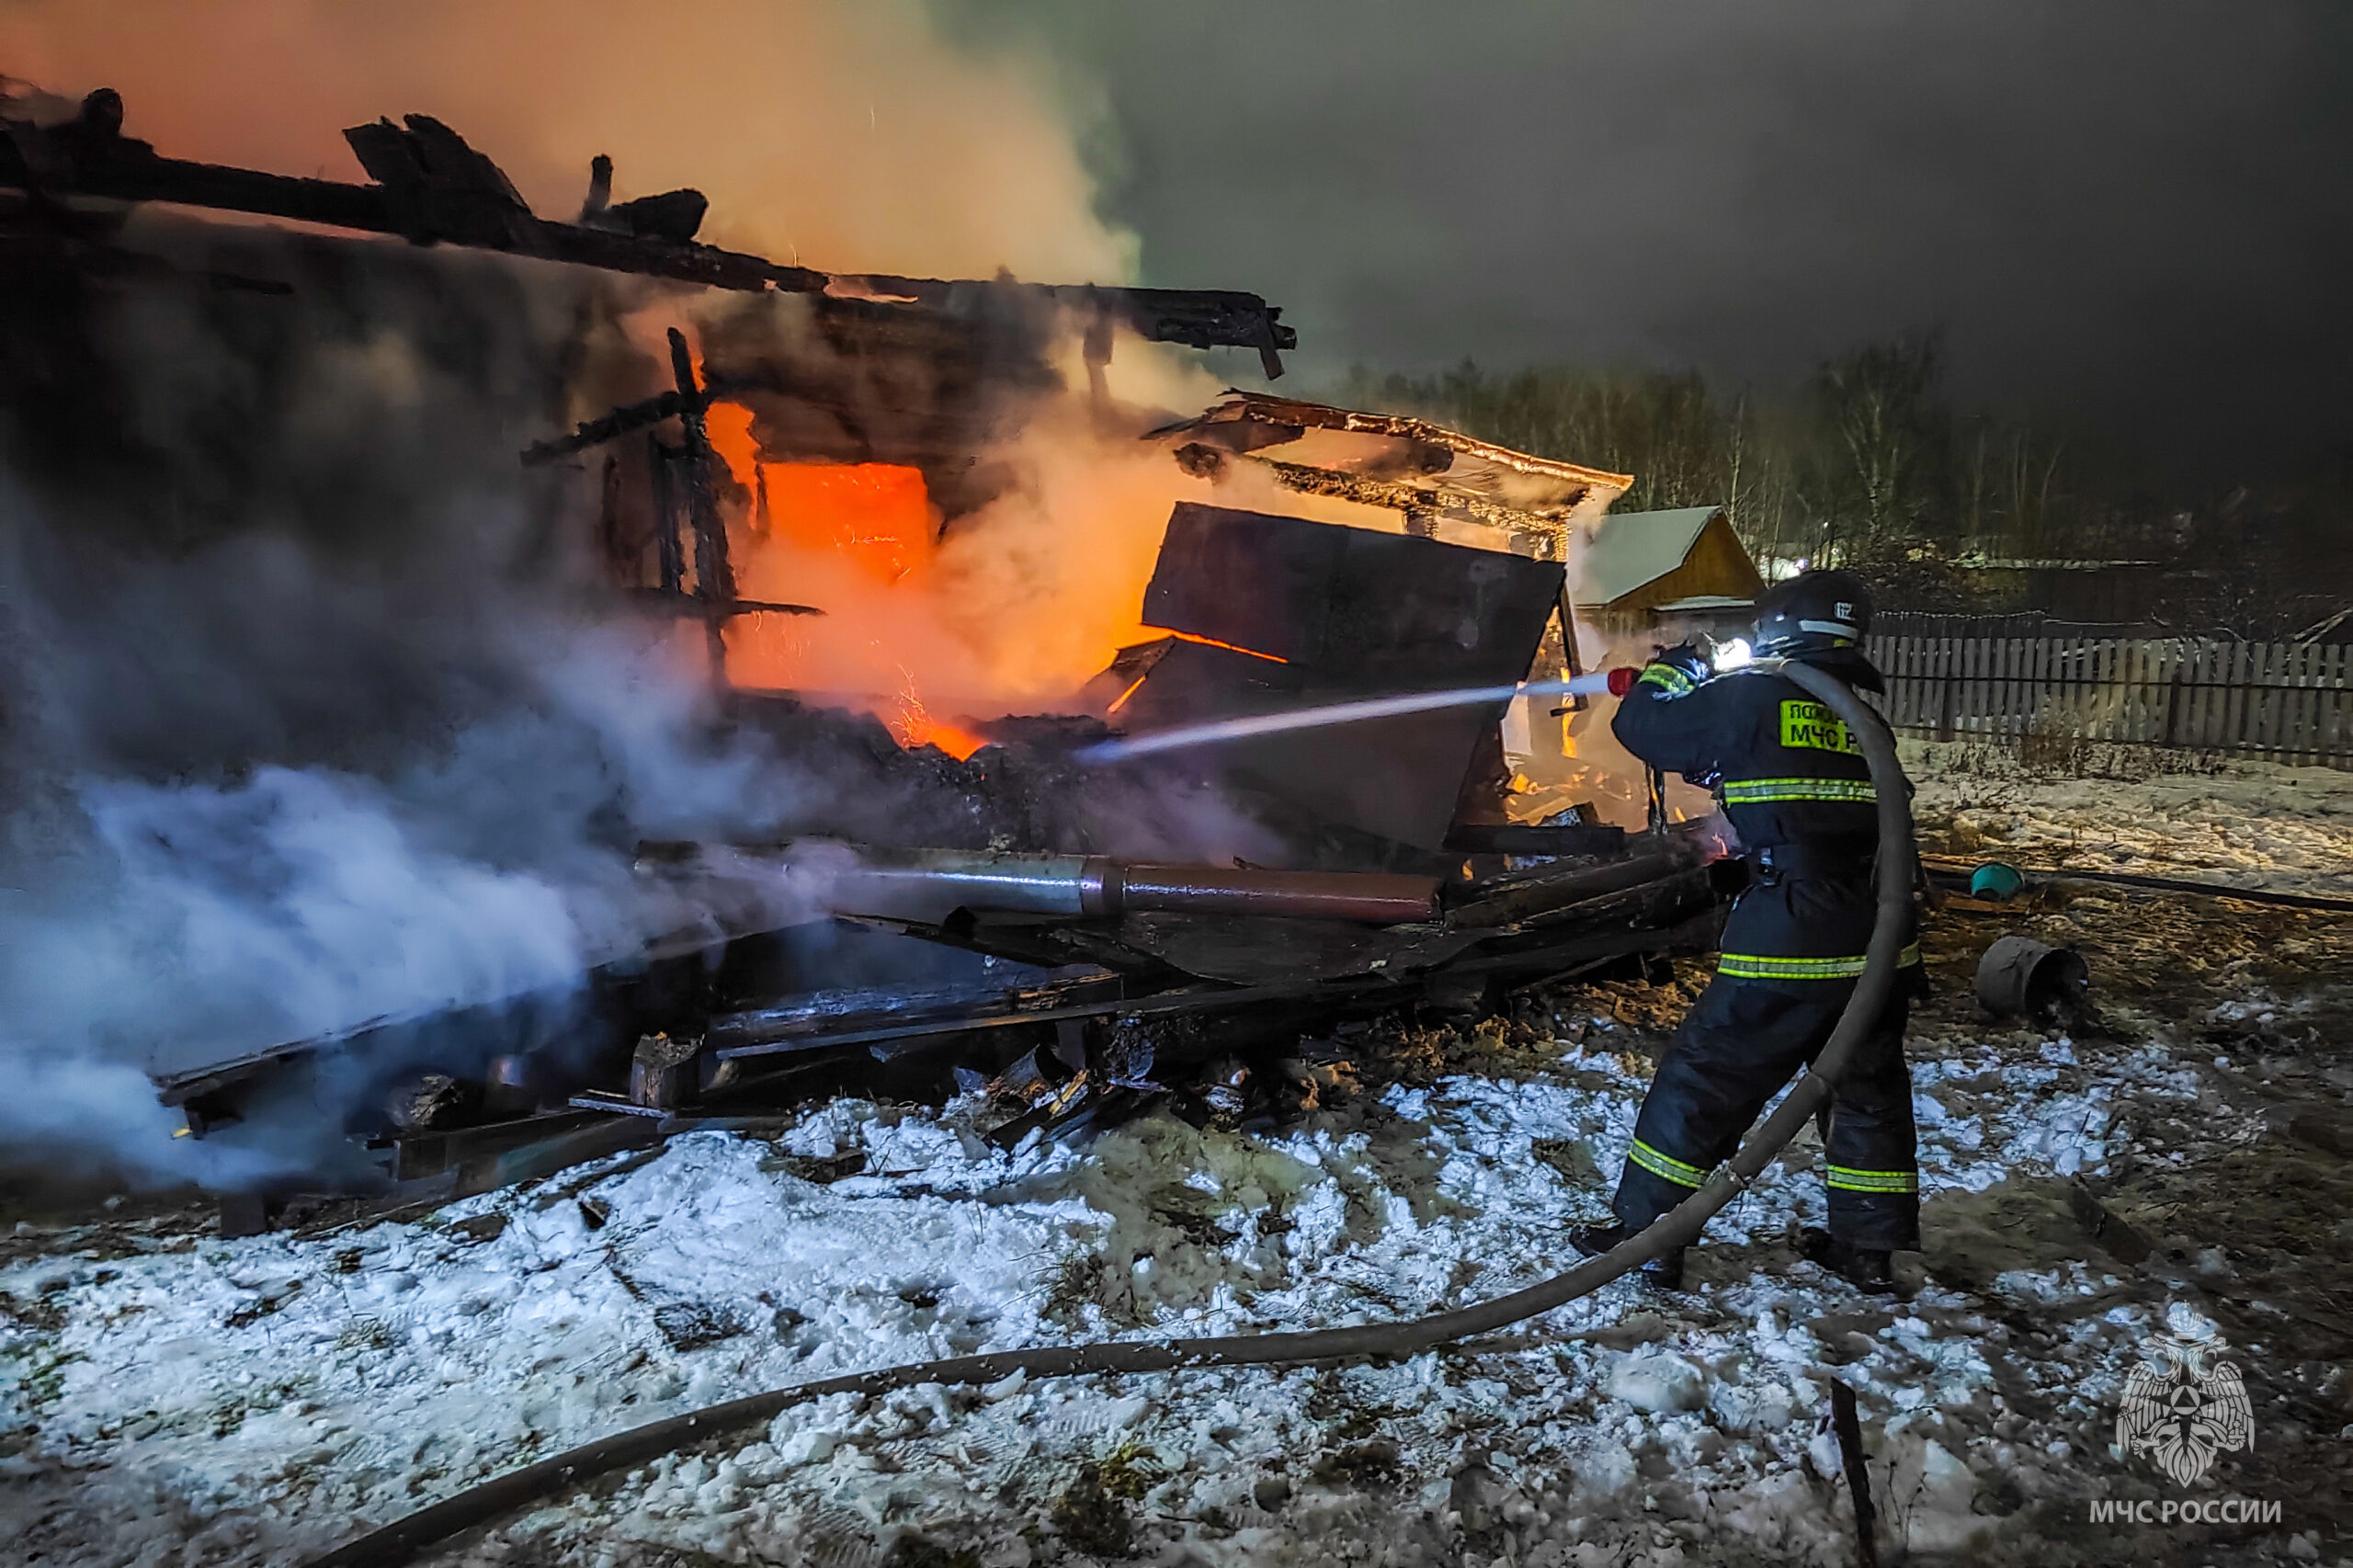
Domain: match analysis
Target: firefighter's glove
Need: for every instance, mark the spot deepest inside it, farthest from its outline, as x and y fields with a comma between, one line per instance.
x=1678, y=669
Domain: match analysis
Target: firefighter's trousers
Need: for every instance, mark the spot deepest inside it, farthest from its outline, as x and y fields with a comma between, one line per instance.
x=1742, y=1041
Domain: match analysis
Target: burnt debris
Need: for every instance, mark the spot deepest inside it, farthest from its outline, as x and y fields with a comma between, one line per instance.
x=1073, y=1010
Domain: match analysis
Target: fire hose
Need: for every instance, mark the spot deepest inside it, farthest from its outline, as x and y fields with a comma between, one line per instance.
x=400, y=1541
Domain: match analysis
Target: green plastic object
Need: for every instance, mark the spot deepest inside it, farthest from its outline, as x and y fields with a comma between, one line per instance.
x=1996, y=881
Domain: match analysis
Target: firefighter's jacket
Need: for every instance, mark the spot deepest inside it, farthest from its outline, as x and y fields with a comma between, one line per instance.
x=1795, y=786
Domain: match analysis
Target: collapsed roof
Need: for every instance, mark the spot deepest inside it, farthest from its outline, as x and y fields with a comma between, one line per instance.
x=1447, y=484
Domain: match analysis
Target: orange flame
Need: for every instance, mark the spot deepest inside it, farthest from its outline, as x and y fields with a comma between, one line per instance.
x=912, y=726
x=958, y=743
x=876, y=514
x=1121, y=700
x=1229, y=647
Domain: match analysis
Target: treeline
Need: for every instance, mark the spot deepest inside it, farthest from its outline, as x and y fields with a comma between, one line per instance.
x=1865, y=464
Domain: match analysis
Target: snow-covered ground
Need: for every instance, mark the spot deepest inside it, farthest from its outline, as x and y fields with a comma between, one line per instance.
x=2252, y=823
x=261, y=1400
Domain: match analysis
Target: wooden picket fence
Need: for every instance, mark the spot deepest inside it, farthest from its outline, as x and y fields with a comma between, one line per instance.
x=2292, y=702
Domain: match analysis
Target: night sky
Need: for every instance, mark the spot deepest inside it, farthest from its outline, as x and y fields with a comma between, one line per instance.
x=2134, y=217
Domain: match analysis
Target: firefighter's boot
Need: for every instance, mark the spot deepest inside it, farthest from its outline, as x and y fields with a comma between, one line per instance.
x=1866, y=1269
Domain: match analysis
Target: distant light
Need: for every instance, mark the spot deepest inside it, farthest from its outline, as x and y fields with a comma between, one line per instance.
x=1732, y=654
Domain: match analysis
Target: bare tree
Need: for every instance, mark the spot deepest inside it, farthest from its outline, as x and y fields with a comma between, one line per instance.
x=1886, y=432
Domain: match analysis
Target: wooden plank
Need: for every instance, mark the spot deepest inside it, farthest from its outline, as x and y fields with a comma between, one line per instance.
x=2329, y=721
x=2147, y=692
x=2262, y=698
x=1916, y=663
x=2297, y=701
x=2169, y=664
x=2210, y=676
x=2015, y=698
x=2279, y=699
x=2200, y=669
x=2116, y=695
x=2339, y=728
x=1984, y=707
x=2125, y=723
x=2235, y=677
x=2045, y=659
x=2251, y=703
x=2315, y=703
x=1885, y=653
x=2263, y=706
x=1956, y=684
x=2308, y=704
x=2168, y=716
x=2094, y=686
x=1998, y=712
x=2234, y=683
x=2124, y=697
x=2131, y=697
x=1919, y=660
x=1989, y=686
x=2220, y=693
x=1944, y=697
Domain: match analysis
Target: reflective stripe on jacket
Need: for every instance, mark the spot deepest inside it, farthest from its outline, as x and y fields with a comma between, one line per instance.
x=1790, y=773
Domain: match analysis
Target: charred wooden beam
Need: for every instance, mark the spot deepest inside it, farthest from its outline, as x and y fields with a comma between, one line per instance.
x=429, y=187
x=1535, y=895
x=1590, y=841
x=680, y=603
x=738, y=1037
x=609, y=427
x=714, y=574
x=824, y=1017
x=642, y=415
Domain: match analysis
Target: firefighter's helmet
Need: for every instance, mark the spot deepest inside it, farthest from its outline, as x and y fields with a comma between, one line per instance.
x=1812, y=612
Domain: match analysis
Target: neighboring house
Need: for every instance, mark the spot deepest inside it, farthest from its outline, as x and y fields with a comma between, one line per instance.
x=1642, y=569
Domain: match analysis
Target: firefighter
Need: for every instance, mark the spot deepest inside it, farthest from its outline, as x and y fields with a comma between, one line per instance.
x=1793, y=782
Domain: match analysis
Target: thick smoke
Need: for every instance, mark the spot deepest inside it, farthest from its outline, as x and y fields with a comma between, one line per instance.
x=839, y=132
x=308, y=720
x=316, y=708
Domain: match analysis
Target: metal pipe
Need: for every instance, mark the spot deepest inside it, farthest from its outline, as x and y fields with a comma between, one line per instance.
x=908, y=882
x=927, y=883
x=1372, y=898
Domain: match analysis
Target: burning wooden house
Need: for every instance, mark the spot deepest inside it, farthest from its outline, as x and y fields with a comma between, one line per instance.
x=722, y=404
